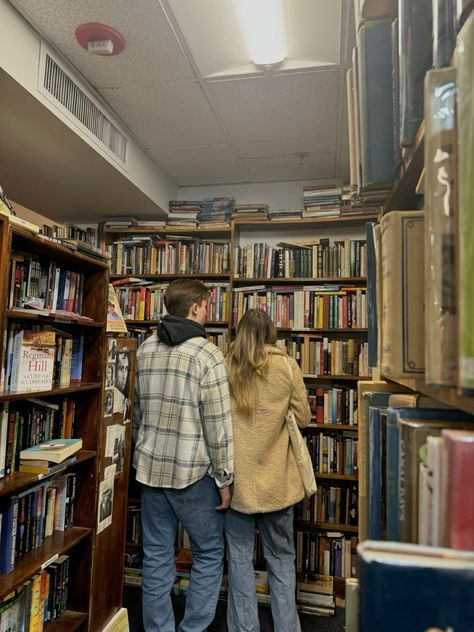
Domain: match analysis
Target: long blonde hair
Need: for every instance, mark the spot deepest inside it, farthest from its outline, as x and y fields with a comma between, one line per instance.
x=248, y=356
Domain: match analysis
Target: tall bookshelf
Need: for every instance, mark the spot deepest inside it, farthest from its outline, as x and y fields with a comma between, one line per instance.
x=247, y=232
x=77, y=540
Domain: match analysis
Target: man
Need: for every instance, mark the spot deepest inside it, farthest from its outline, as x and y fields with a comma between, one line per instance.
x=183, y=457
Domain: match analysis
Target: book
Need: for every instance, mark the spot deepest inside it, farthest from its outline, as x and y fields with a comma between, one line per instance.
x=38, y=466
x=352, y=605
x=372, y=334
x=403, y=324
x=118, y=623
x=33, y=356
x=441, y=207
x=375, y=102
x=54, y=450
x=464, y=62
x=459, y=499
x=415, y=588
x=115, y=320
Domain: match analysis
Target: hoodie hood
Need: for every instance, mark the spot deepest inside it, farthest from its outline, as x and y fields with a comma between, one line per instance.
x=173, y=330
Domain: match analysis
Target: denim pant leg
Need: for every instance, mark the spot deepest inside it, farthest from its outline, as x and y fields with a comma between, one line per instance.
x=159, y=525
x=242, y=609
x=194, y=507
x=276, y=529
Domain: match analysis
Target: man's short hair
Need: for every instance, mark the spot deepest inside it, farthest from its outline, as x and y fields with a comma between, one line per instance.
x=181, y=295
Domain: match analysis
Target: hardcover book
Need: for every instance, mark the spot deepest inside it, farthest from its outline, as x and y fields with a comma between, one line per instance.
x=415, y=588
x=403, y=344
x=33, y=361
x=441, y=216
x=55, y=450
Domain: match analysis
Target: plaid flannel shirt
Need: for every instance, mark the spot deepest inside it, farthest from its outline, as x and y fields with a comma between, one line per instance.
x=182, y=422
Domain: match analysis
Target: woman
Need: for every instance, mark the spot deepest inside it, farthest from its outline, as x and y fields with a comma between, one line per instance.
x=264, y=382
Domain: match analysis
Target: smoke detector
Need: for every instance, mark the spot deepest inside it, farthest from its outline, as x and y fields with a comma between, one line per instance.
x=100, y=39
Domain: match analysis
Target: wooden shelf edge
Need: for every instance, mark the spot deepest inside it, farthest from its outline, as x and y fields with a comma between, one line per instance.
x=354, y=378
x=31, y=563
x=445, y=394
x=67, y=622
x=327, y=526
x=337, y=477
x=167, y=277
x=63, y=320
x=332, y=427
x=298, y=280
x=87, y=386
x=16, y=481
x=354, y=218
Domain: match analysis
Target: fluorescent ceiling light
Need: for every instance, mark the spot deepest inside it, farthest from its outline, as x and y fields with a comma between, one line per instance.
x=263, y=29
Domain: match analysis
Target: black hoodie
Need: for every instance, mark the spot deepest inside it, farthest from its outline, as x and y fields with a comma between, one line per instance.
x=173, y=330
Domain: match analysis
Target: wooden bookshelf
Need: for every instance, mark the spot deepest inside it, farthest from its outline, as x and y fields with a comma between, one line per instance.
x=327, y=526
x=171, y=277
x=344, y=377
x=307, y=222
x=298, y=280
x=332, y=427
x=77, y=540
x=336, y=477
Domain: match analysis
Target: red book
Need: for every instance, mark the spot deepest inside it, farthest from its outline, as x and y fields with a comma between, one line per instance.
x=459, y=501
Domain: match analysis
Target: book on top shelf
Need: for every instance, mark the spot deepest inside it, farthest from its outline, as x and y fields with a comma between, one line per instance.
x=33, y=357
x=54, y=450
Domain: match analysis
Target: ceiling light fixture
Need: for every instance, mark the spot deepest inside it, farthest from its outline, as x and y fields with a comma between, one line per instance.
x=263, y=29
x=100, y=39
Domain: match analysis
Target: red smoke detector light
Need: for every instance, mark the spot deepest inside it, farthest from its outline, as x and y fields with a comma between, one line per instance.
x=100, y=39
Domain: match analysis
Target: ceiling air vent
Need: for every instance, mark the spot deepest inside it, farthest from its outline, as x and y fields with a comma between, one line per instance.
x=73, y=98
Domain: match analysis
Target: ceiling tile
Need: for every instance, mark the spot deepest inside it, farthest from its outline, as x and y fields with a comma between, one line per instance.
x=281, y=107
x=152, y=53
x=316, y=166
x=199, y=165
x=275, y=148
x=175, y=116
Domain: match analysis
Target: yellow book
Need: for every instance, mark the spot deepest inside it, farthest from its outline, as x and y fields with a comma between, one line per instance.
x=35, y=604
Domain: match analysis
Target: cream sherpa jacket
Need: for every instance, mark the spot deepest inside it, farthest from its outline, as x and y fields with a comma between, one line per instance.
x=265, y=473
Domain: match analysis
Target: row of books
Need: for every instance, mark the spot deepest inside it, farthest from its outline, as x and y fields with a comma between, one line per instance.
x=86, y=234
x=38, y=358
x=30, y=422
x=418, y=468
x=308, y=307
x=333, y=405
x=333, y=454
x=44, y=284
x=180, y=255
x=318, y=355
x=34, y=514
x=40, y=599
x=309, y=259
x=133, y=534
x=326, y=553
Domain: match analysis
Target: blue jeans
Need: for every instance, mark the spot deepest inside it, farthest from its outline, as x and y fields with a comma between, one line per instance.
x=276, y=530
x=194, y=508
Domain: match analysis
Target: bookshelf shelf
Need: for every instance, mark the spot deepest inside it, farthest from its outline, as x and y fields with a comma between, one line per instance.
x=44, y=246
x=403, y=195
x=309, y=330
x=332, y=427
x=170, y=277
x=67, y=622
x=168, y=230
x=209, y=323
x=88, y=386
x=327, y=526
x=57, y=544
x=17, y=481
x=298, y=280
x=307, y=221
x=336, y=477
x=447, y=395
x=133, y=545
x=19, y=314
x=347, y=378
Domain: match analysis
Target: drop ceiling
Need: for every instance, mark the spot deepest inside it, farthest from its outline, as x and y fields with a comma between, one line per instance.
x=186, y=90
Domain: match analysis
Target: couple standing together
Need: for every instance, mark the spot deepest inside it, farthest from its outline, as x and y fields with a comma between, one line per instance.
x=196, y=414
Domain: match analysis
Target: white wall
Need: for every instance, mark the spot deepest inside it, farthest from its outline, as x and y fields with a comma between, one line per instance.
x=275, y=194
x=20, y=48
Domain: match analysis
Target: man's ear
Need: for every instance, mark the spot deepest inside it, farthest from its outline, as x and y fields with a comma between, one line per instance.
x=194, y=309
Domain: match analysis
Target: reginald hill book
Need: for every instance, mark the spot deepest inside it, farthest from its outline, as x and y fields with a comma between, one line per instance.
x=415, y=588
x=33, y=361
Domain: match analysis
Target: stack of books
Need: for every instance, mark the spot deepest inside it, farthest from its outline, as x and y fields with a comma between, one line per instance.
x=321, y=201
x=251, y=211
x=284, y=214
x=217, y=212
x=184, y=213
x=50, y=456
x=120, y=223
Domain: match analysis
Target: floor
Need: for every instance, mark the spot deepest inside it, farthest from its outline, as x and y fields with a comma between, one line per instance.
x=132, y=601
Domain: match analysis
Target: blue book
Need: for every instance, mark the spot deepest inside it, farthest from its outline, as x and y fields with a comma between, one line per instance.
x=375, y=531
x=372, y=333
x=8, y=536
x=391, y=494
x=375, y=103
x=415, y=588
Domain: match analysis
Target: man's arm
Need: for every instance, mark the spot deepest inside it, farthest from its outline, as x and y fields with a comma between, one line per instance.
x=217, y=426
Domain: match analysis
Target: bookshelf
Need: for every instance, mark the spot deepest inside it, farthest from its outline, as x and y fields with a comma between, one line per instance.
x=248, y=232
x=85, y=322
